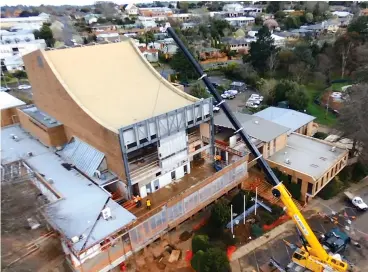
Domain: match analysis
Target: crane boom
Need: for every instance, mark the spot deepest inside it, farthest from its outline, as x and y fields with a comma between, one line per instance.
x=279, y=190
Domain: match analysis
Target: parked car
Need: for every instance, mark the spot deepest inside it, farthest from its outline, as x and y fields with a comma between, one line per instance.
x=227, y=96
x=5, y=89
x=357, y=201
x=251, y=105
x=256, y=97
x=232, y=92
x=24, y=87
x=254, y=101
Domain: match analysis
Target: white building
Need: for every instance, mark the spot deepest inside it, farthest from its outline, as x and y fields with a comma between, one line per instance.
x=12, y=53
x=131, y=9
x=240, y=21
x=111, y=37
x=16, y=37
x=233, y=8
x=7, y=23
x=147, y=22
x=181, y=17
x=279, y=41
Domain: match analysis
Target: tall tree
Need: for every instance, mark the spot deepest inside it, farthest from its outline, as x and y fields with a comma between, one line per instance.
x=45, y=33
x=360, y=26
x=344, y=48
x=293, y=93
x=262, y=49
x=274, y=6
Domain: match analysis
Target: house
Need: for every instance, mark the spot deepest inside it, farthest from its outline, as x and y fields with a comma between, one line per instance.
x=278, y=40
x=131, y=9
x=123, y=138
x=342, y=14
x=364, y=12
x=146, y=22
x=91, y=18
x=296, y=121
x=151, y=54
x=240, y=21
x=108, y=37
x=252, y=11
x=155, y=11
x=238, y=44
x=233, y=10
x=307, y=161
x=8, y=107
x=181, y=17
x=209, y=53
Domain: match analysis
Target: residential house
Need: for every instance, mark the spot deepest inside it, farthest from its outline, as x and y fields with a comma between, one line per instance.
x=241, y=45
x=91, y=18
x=181, y=17
x=151, y=54
x=106, y=27
x=307, y=161
x=252, y=11
x=233, y=10
x=146, y=22
x=117, y=149
x=108, y=37
x=131, y=9
x=278, y=40
x=342, y=14
x=206, y=53
x=364, y=12
x=240, y=21
x=155, y=12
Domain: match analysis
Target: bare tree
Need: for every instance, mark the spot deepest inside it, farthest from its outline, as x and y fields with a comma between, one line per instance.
x=325, y=66
x=353, y=121
x=344, y=48
x=299, y=71
x=273, y=62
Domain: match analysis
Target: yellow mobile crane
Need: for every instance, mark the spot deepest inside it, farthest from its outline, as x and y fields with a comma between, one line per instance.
x=313, y=256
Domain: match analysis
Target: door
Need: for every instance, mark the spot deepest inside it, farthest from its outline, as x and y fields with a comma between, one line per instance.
x=156, y=184
x=185, y=169
x=149, y=188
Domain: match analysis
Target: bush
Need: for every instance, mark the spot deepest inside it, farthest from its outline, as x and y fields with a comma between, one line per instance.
x=294, y=189
x=228, y=239
x=265, y=217
x=320, y=135
x=256, y=231
x=197, y=261
x=200, y=243
x=20, y=74
x=220, y=215
x=353, y=173
x=334, y=187
x=215, y=260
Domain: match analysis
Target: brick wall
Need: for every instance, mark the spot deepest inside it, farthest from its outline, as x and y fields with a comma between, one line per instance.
x=51, y=97
x=8, y=118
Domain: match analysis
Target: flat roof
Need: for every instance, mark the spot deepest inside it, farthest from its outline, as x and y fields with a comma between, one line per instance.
x=81, y=201
x=254, y=126
x=307, y=155
x=42, y=117
x=285, y=117
x=114, y=84
x=8, y=101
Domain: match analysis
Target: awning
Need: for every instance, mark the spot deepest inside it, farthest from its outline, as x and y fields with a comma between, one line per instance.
x=85, y=157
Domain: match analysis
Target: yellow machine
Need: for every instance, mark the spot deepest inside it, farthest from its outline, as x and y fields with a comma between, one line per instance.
x=313, y=256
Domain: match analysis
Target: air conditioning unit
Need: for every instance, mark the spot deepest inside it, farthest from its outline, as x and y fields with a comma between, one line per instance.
x=97, y=174
x=333, y=149
x=287, y=161
x=106, y=213
x=50, y=180
x=15, y=138
x=30, y=154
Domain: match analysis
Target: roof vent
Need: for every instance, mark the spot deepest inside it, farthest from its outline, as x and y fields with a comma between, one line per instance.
x=50, y=180
x=75, y=239
x=46, y=118
x=15, y=138
x=30, y=154
x=287, y=161
x=333, y=149
x=256, y=122
x=52, y=121
x=106, y=213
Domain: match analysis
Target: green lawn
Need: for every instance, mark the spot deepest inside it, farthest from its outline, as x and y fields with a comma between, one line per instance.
x=316, y=110
x=13, y=80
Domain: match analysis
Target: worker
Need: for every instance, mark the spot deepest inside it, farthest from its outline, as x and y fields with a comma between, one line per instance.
x=148, y=204
x=135, y=199
x=139, y=201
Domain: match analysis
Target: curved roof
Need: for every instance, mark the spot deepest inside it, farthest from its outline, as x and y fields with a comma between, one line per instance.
x=114, y=84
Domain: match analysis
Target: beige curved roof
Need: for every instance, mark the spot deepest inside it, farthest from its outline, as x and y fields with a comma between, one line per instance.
x=114, y=84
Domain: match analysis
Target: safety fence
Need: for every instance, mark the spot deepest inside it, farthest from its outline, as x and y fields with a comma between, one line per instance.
x=158, y=224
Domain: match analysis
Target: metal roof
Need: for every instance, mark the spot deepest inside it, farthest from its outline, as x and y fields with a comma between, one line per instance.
x=307, y=155
x=254, y=126
x=285, y=117
x=85, y=157
x=8, y=101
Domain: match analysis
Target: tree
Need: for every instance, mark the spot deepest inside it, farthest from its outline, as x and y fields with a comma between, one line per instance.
x=198, y=261
x=325, y=66
x=200, y=243
x=309, y=17
x=220, y=215
x=26, y=13
x=299, y=71
x=261, y=49
x=183, y=6
x=267, y=89
x=273, y=7
x=353, y=120
x=344, y=47
x=45, y=33
x=216, y=260
x=280, y=15
x=258, y=20
x=272, y=62
x=199, y=92
x=292, y=22
x=360, y=26
x=293, y=93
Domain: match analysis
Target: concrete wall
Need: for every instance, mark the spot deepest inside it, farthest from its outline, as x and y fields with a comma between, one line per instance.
x=54, y=136
x=275, y=145
x=9, y=117
x=50, y=96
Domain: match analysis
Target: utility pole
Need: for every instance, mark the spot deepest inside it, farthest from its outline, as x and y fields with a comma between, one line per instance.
x=244, y=211
x=255, y=210
x=232, y=223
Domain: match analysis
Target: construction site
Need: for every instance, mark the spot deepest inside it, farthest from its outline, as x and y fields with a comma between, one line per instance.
x=96, y=183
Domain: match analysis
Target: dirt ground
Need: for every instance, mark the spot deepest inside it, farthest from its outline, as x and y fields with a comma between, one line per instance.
x=20, y=201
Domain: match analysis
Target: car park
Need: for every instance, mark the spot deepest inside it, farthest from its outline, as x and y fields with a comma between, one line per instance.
x=24, y=87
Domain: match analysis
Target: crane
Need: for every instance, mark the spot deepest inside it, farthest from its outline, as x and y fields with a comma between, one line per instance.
x=312, y=257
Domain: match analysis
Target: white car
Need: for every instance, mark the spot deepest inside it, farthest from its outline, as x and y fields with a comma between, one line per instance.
x=256, y=97
x=232, y=92
x=5, y=89
x=251, y=105
x=254, y=101
x=227, y=96
x=216, y=109
x=24, y=87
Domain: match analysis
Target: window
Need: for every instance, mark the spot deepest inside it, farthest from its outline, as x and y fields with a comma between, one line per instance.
x=173, y=175
x=274, y=145
x=290, y=178
x=310, y=188
x=317, y=184
x=300, y=182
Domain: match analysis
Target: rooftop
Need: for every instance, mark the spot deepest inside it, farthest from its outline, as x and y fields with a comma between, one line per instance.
x=41, y=116
x=285, y=117
x=81, y=202
x=109, y=92
x=307, y=155
x=254, y=126
x=8, y=101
